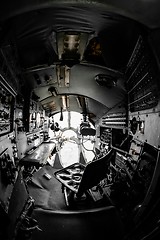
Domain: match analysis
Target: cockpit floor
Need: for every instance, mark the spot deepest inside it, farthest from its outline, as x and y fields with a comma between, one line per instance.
x=47, y=193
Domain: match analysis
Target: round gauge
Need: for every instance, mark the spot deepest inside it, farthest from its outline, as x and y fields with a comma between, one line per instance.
x=38, y=119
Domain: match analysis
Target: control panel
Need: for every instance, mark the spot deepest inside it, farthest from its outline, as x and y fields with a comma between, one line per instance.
x=106, y=135
x=141, y=78
x=36, y=116
x=6, y=111
x=7, y=167
x=125, y=164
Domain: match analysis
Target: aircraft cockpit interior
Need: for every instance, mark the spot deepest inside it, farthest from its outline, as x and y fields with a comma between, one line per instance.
x=79, y=120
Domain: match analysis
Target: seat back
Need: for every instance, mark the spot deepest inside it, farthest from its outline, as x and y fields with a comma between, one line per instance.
x=17, y=203
x=94, y=172
x=103, y=223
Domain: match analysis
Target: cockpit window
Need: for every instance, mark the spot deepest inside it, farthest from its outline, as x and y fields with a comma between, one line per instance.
x=70, y=120
x=69, y=151
x=70, y=143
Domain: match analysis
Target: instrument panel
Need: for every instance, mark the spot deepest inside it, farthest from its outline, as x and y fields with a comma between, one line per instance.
x=6, y=111
x=127, y=164
x=36, y=116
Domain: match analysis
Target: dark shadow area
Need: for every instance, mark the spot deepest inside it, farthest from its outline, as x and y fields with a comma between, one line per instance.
x=85, y=224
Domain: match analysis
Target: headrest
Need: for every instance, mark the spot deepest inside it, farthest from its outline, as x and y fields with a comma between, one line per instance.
x=86, y=129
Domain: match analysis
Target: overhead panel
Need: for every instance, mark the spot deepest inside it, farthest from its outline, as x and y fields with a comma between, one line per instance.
x=71, y=46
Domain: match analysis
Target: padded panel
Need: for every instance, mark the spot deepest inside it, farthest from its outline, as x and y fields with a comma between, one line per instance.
x=17, y=202
x=94, y=172
x=103, y=223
